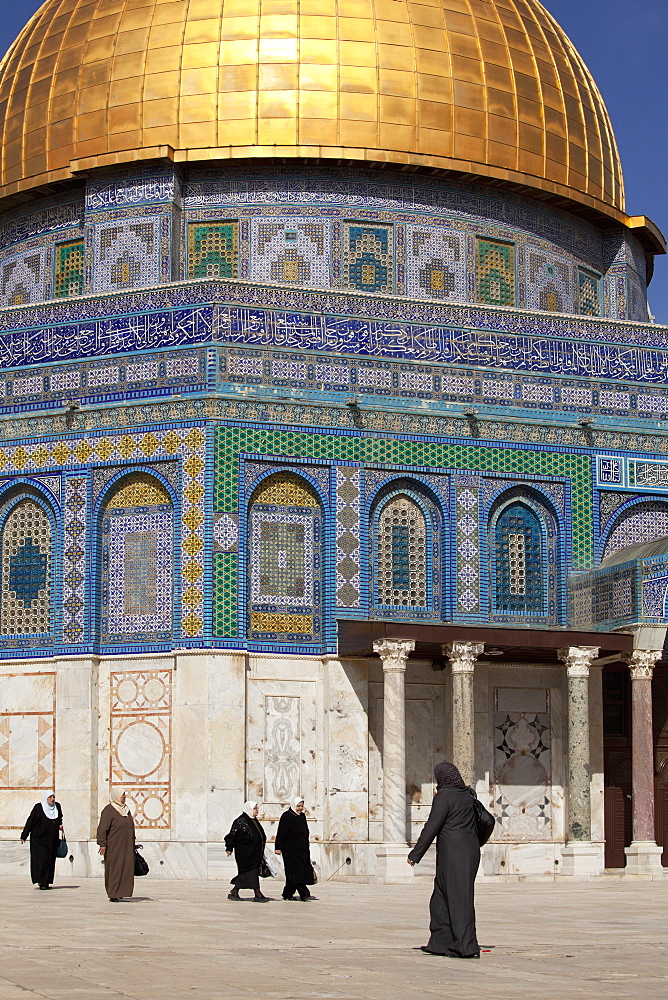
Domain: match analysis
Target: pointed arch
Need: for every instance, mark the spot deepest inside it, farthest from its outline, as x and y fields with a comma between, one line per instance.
x=406, y=527
x=285, y=559
x=641, y=521
x=27, y=533
x=136, y=561
x=524, y=559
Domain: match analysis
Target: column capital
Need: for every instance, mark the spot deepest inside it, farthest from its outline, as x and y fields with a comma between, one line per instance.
x=394, y=652
x=641, y=663
x=578, y=659
x=462, y=655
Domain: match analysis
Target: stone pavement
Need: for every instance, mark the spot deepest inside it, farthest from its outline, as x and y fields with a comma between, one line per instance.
x=178, y=940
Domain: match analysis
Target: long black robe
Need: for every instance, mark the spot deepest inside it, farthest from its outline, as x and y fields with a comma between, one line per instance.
x=116, y=833
x=451, y=908
x=292, y=840
x=43, y=833
x=247, y=839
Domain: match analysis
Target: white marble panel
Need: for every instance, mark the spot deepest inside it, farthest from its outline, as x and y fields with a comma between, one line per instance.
x=28, y=692
x=227, y=741
x=528, y=699
x=347, y=758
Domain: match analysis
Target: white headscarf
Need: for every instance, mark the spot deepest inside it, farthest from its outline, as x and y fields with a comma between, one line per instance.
x=115, y=799
x=248, y=808
x=295, y=802
x=51, y=812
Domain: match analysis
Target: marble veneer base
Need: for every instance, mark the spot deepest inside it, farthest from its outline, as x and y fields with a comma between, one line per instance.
x=643, y=858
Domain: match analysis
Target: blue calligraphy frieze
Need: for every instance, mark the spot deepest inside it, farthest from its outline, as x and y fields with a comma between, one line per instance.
x=114, y=335
x=391, y=339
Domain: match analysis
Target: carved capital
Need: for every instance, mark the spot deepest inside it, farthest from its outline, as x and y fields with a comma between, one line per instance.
x=462, y=655
x=394, y=652
x=578, y=659
x=641, y=663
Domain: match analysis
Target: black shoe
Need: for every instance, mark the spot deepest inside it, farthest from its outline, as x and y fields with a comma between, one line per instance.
x=44, y=886
x=234, y=895
x=442, y=954
x=261, y=899
x=114, y=899
x=288, y=899
x=307, y=899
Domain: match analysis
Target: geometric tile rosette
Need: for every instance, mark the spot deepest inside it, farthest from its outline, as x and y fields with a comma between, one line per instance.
x=187, y=443
x=141, y=743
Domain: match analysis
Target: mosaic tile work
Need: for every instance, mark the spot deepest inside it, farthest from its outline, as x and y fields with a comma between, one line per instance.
x=23, y=278
x=435, y=264
x=642, y=522
x=213, y=250
x=127, y=253
x=25, y=607
x=137, y=563
x=225, y=575
x=68, y=270
x=519, y=558
x=225, y=532
x=521, y=462
x=548, y=283
x=291, y=250
x=285, y=559
x=140, y=748
x=74, y=560
x=467, y=543
x=368, y=257
x=68, y=453
x=348, y=505
x=495, y=272
x=402, y=560
x=588, y=294
x=608, y=503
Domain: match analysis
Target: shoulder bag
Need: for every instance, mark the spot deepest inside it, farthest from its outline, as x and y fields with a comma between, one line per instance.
x=484, y=821
x=61, y=850
x=141, y=864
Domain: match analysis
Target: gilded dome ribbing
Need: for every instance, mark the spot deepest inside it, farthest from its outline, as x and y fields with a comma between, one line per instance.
x=493, y=89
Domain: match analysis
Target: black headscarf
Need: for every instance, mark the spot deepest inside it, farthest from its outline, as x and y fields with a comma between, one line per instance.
x=447, y=776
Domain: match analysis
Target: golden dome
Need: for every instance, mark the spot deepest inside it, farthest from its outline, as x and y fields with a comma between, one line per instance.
x=491, y=88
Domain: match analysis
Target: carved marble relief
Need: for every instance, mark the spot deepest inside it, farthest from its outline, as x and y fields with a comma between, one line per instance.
x=141, y=743
x=522, y=739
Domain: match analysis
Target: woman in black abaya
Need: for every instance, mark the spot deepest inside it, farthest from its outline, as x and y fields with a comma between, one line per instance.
x=292, y=841
x=451, y=908
x=43, y=826
x=247, y=840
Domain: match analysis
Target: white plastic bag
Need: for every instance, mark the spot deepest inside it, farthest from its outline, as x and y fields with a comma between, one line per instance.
x=271, y=862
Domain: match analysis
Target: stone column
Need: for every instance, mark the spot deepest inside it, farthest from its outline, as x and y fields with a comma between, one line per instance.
x=392, y=864
x=580, y=856
x=462, y=657
x=643, y=857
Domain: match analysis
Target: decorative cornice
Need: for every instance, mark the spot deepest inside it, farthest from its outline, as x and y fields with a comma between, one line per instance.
x=394, y=652
x=578, y=659
x=641, y=663
x=462, y=655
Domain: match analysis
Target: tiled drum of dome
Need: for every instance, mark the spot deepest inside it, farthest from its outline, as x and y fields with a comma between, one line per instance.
x=549, y=284
x=285, y=532
x=26, y=570
x=291, y=251
x=588, y=294
x=23, y=278
x=368, y=257
x=68, y=270
x=213, y=250
x=126, y=254
x=137, y=562
x=495, y=272
x=435, y=264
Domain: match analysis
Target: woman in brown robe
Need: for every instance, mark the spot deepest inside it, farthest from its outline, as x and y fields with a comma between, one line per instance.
x=116, y=837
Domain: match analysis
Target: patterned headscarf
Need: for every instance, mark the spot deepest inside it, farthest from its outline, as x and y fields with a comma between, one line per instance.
x=447, y=776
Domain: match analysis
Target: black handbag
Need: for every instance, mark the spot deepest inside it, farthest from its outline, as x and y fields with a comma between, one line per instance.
x=265, y=870
x=61, y=850
x=313, y=880
x=141, y=864
x=484, y=821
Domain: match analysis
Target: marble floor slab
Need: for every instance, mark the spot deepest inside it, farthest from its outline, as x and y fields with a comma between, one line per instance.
x=178, y=940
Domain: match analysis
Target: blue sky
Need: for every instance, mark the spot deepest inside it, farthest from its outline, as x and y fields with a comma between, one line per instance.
x=624, y=44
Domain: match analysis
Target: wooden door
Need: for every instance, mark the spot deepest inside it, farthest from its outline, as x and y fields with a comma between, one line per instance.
x=617, y=804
